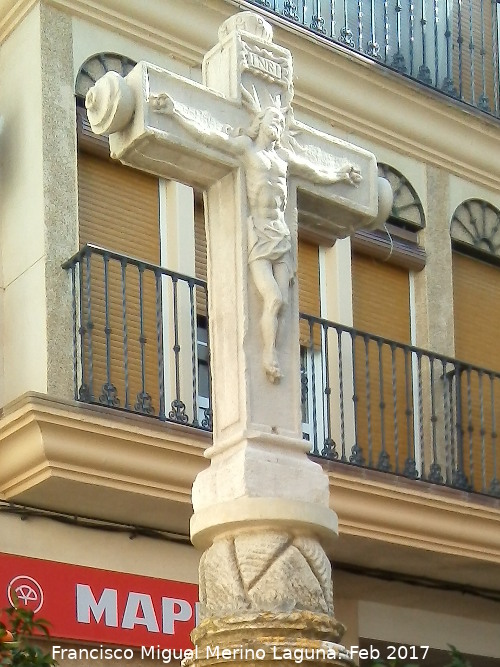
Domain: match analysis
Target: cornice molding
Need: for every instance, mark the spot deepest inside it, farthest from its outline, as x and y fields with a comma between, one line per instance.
x=364, y=99
x=12, y=13
x=415, y=514
x=85, y=459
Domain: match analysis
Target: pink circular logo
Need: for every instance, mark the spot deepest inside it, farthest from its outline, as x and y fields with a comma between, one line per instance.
x=27, y=591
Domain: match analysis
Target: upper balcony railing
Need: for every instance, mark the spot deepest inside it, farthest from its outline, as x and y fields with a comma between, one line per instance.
x=140, y=336
x=449, y=45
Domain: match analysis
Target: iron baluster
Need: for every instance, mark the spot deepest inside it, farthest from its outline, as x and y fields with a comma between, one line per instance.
x=372, y=48
x=123, y=264
x=398, y=59
x=143, y=403
x=83, y=389
x=207, y=421
x=194, y=346
x=421, y=415
x=178, y=412
x=482, y=433
x=494, y=488
x=360, y=25
x=356, y=457
x=109, y=393
x=495, y=54
x=459, y=479
x=386, y=31
x=329, y=448
x=424, y=73
x=410, y=469
x=346, y=35
x=483, y=103
x=159, y=344
x=446, y=420
x=448, y=85
x=290, y=10
x=75, y=329
x=317, y=21
x=90, y=327
x=460, y=48
x=312, y=393
x=366, y=340
x=383, y=462
x=470, y=428
x=411, y=34
x=436, y=42
x=435, y=468
x=341, y=396
x=395, y=406
x=471, y=51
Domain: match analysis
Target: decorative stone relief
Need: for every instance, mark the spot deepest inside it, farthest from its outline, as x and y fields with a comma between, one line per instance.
x=407, y=208
x=97, y=66
x=268, y=151
x=476, y=224
x=262, y=572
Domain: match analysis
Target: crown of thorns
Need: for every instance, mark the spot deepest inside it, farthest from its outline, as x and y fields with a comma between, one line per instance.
x=254, y=104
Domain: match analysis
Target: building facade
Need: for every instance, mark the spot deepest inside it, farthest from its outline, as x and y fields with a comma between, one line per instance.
x=105, y=365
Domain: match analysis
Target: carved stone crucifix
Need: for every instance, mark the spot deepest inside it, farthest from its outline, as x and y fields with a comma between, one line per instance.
x=261, y=510
x=251, y=126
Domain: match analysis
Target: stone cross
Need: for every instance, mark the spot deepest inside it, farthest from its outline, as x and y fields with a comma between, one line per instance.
x=261, y=510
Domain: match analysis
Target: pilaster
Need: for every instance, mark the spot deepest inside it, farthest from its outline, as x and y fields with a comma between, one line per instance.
x=434, y=284
x=60, y=203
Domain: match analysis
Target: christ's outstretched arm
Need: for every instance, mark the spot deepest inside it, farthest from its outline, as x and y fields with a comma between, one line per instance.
x=299, y=166
x=163, y=103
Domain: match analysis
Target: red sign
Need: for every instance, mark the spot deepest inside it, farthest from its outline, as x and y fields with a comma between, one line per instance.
x=87, y=604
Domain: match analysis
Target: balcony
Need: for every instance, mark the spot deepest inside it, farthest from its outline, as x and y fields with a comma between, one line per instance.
x=378, y=404
x=140, y=338
x=448, y=45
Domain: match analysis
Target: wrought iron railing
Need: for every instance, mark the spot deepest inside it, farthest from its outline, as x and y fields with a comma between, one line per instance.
x=140, y=337
x=378, y=404
x=450, y=45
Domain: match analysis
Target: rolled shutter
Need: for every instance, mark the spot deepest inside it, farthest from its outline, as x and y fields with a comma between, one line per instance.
x=200, y=253
x=381, y=307
x=476, y=302
x=118, y=209
x=309, y=293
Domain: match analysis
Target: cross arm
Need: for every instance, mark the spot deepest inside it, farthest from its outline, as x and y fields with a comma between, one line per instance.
x=221, y=138
x=337, y=183
x=168, y=125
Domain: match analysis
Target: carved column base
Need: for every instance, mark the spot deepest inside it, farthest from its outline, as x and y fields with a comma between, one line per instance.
x=263, y=638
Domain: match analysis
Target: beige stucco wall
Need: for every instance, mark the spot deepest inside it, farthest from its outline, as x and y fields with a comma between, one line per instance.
x=49, y=540
x=21, y=211
x=38, y=204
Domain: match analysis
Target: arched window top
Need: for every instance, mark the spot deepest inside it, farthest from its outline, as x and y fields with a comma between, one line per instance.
x=96, y=66
x=407, y=209
x=475, y=225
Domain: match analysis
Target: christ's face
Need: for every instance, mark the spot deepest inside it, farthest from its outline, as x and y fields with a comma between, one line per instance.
x=273, y=124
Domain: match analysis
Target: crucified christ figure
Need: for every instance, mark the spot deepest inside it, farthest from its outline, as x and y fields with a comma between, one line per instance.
x=266, y=164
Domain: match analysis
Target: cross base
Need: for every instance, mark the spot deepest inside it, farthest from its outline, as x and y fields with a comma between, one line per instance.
x=262, y=639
